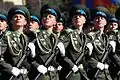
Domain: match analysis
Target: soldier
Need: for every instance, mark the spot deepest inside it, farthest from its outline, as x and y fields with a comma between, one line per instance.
x=14, y=46
x=46, y=43
x=61, y=23
x=34, y=23
x=112, y=33
x=116, y=67
x=3, y=22
x=98, y=59
x=33, y=27
x=75, y=42
x=112, y=24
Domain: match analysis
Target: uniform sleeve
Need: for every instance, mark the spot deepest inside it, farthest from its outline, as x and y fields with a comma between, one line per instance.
x=115, y=59
x=66, y=60
x=35, y=64
x=4, y=65
x=92, y=62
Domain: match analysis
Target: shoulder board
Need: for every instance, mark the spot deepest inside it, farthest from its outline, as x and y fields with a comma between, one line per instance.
x=37, y=30
x=91, y=33
x=8, y=33
x=68, y=30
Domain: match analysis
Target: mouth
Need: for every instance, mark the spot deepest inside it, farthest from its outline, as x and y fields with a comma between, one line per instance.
x=46, y=21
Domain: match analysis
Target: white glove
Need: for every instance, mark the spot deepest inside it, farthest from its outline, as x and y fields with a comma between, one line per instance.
x=51, y=68
x=59, y=68
x=15, y=71
x=32, y=48
x=113, y=44
x=23, y=71
x=90, y=47
x=61, y=48
x=80, y=66
x=75, y=68
x=106, y=66
x=100, y=65
x=42, y=69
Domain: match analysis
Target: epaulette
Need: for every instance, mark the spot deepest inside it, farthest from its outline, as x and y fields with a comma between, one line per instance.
x=8, y=33
x=116, y=31
x=68, y=30
x=37, y=30
x=91, y=33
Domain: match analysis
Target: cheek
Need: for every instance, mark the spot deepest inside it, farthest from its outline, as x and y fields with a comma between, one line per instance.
x=42, y=22
x=5, y=24
x=53, y=22
x=105, y=22
x=60, y=27
x=84, y=20
x=25, y=22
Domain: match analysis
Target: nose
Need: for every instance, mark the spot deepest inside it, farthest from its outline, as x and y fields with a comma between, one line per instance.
x=18, y=17
x=99, y=18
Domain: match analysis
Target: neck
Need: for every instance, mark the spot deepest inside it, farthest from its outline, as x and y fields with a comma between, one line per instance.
x=80, y=28
x=100, y=28
x=19, y=29
x=57, y=33
x=50, y=29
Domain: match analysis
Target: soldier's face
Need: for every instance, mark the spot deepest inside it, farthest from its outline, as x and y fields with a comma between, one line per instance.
x=99, y=22
x=78, y=20
x=49, y=20
x=112, y=26
x=3, y=25
x=33, y=25
x=18, y=20
x=59, y=27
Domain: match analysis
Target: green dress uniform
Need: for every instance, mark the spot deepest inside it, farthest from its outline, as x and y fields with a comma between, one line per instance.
x=115, y=64
x=75, y=44
x=45, y=41
x=13, y=47
x=100, y=44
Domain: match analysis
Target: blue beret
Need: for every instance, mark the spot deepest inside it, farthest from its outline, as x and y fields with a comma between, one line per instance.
x=50, y=9
x=101, y=14
x=34, y=18
x=113, y=19
x=3, y=14
x=3, y=17
x=79, y=9
x=19, y=10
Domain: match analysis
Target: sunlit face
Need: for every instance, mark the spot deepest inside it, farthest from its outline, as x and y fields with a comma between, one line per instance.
x=18, y=20
x=49, y=20
x=33, y=25
x=3, y=25
x=78, y=20
x=112, y=26
x=59, y=27
x=99, y=22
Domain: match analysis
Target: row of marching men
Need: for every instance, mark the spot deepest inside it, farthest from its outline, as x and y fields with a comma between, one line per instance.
x=51, y=53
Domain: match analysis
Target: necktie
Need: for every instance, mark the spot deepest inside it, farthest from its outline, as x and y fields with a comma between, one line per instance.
x=21, y=39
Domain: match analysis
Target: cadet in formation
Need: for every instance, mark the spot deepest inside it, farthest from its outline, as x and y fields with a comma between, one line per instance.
x=102, y=52
x=14, y=46
x=61, y=24
x=76, y=46
x=45, y=62
x=112, y=32
x=33, y=27
x=3, y=22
